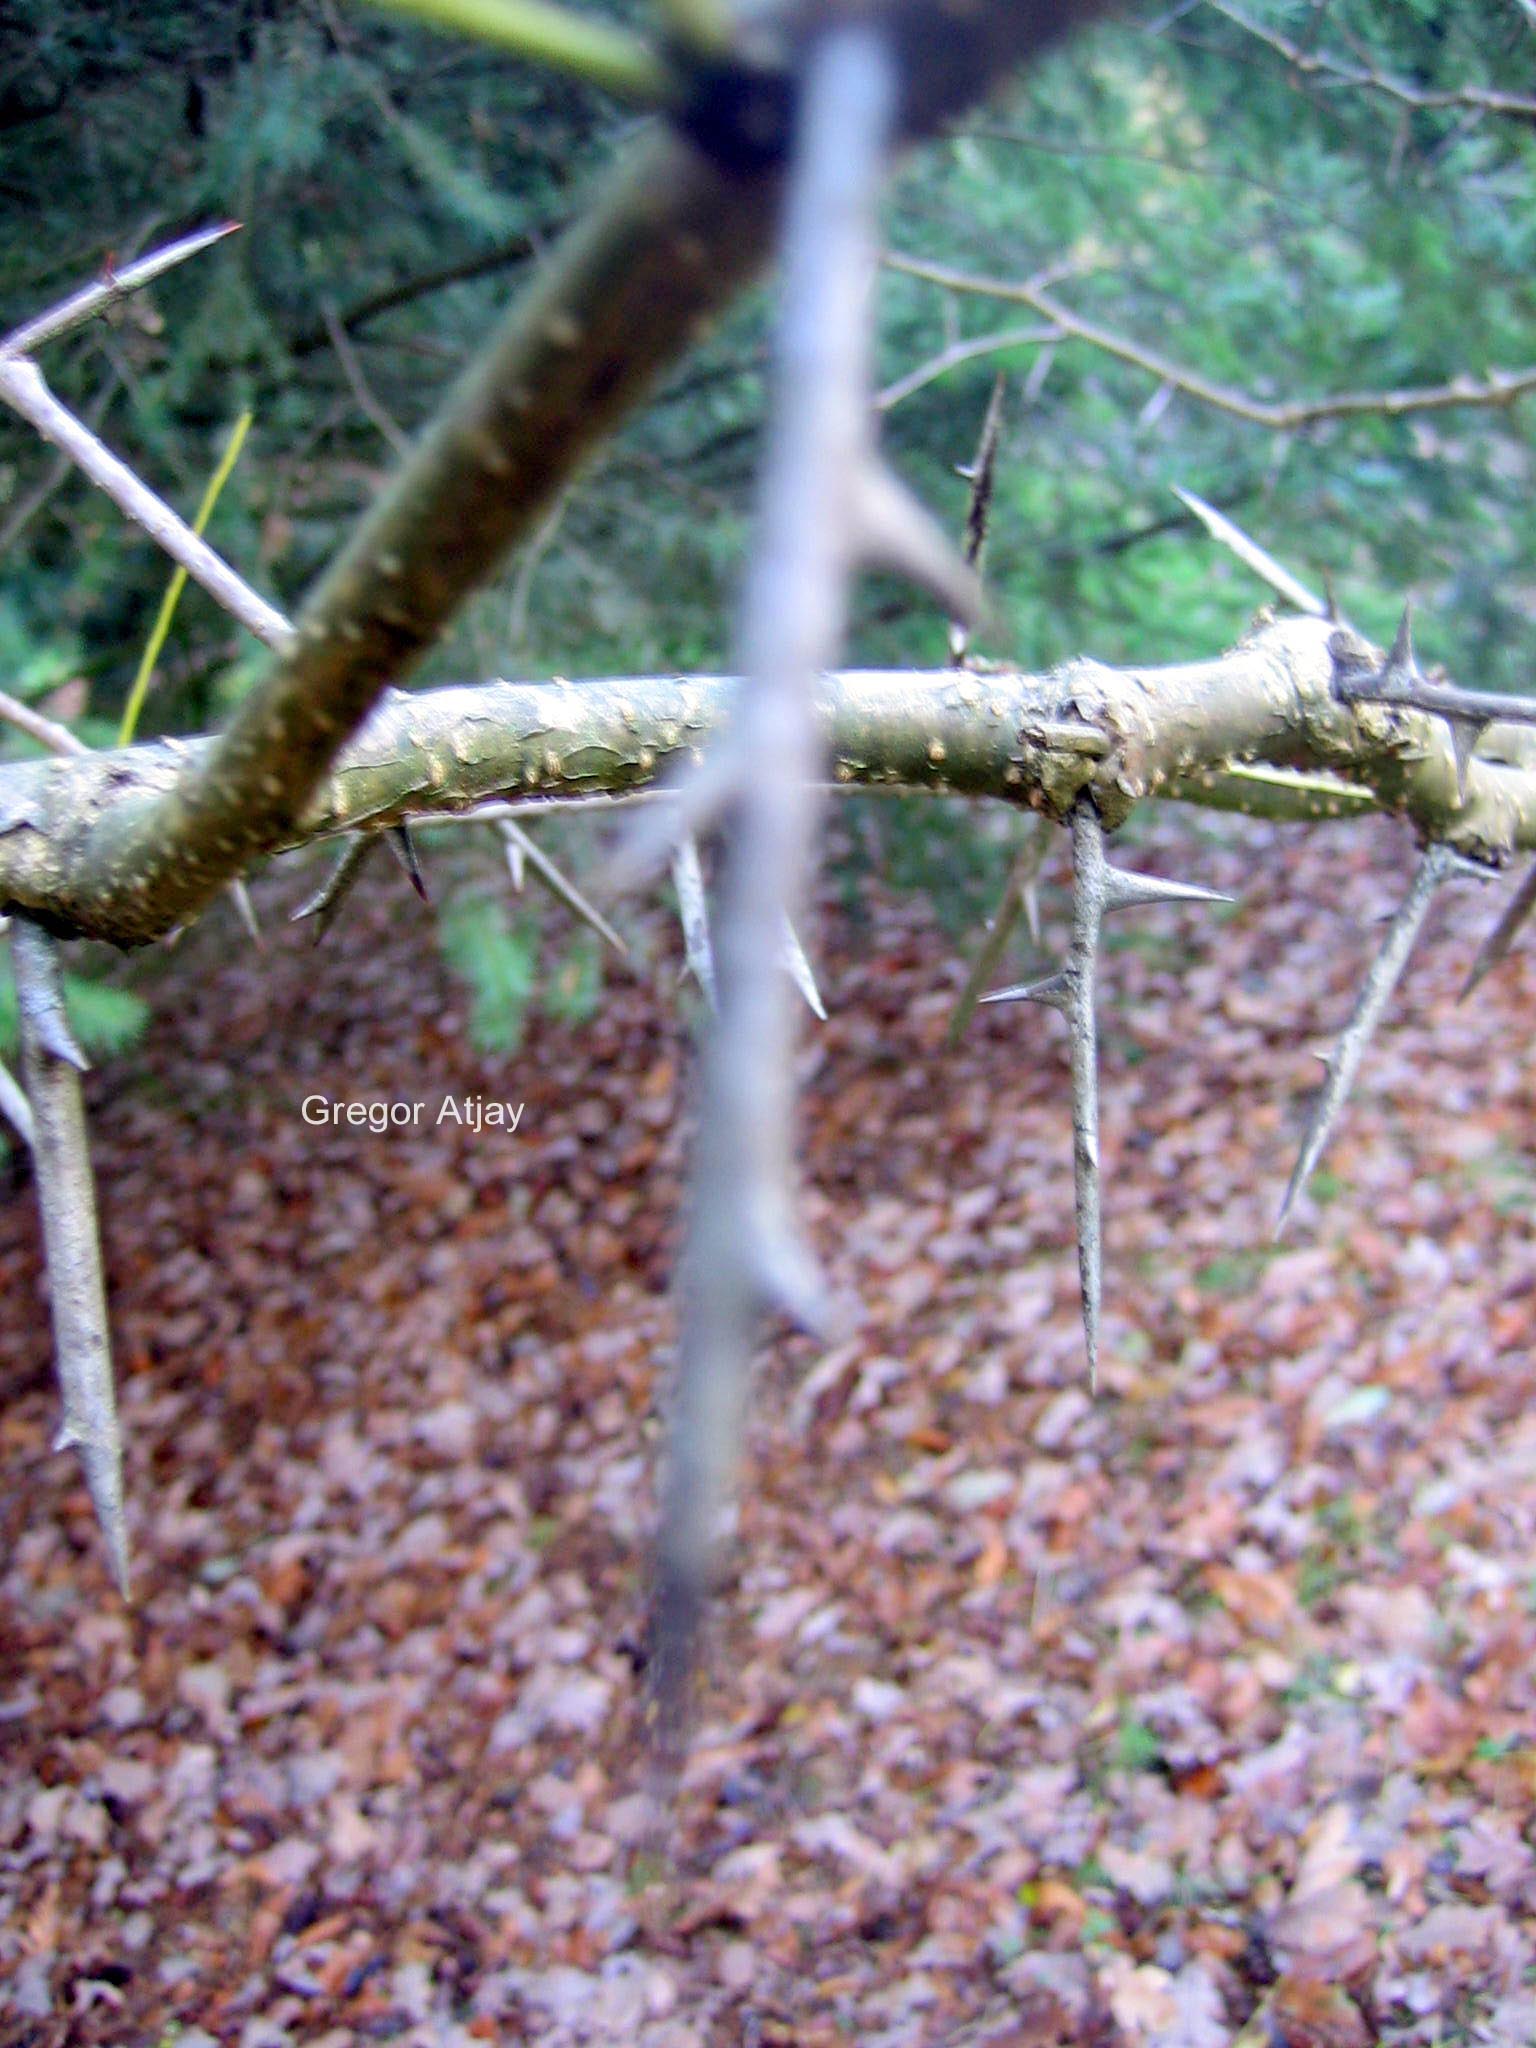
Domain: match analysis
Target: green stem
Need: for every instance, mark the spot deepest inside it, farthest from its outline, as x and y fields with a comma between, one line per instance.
x=603, y=56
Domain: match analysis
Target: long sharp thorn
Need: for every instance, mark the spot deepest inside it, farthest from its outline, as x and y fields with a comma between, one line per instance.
x=799, y=970
x=245, y=910
x=40, y=995
x=1029, y=896
x=1401, y=666
x=1438, y=865
x=104, y=291
x=1018, y=895
x=896, y=532
x=981, y=476
x=560, y=886
x=403, y=847
x=1505, y=932
x=1124, y=890
x=1252, y=556
x=15, y=1107
x=67, y=1197
x=693, y=914
x=1054, y=992
x=325, y=905
x=1089, y=901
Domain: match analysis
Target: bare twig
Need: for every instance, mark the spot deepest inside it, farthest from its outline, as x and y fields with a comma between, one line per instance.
x=67, y=1197
x=22, y=387
x=1494, y=388
x=358, y=384
x=960, y=352
x=61, y=468
x=108, y=289
x=517, y=249
x=58, y=739
x=1424, y=99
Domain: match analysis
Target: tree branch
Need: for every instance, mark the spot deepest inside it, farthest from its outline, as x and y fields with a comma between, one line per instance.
x=1228, y=733
x=1316, y=64
x=1494, y=388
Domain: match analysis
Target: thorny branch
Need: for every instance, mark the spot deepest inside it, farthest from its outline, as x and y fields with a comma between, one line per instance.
x=51, y=1064
x=741, y=1256
x=1295, y=722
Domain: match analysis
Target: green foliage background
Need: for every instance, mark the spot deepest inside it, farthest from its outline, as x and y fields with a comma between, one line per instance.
x=1289, y=236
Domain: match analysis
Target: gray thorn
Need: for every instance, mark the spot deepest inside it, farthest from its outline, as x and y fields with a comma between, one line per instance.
x=560, y=886
x=517, y=863
x=245, y=909
x=325, y=905
x=1054, y=992
x=792, y=1284
x=693, y=913
x=1439, y=864
x=1126, y=891
x=1505, y=932
x=1401, y=666
x=1090, y=871
x=403, y=847
x=799, y=970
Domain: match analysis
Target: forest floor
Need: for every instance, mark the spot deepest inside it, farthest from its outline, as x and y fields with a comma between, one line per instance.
x=1200, y=1713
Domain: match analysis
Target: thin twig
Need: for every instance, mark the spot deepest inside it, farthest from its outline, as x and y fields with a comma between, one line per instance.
x=1425, y=99
x=67, y=1198
x=1098, y=888
x=1494, y=388
x=108, y=289
x=58, y=739
x=358, y=384
x=61, y=468
x=960, y=352
x=517, y=249
x=978, y=511
x=22, y=387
